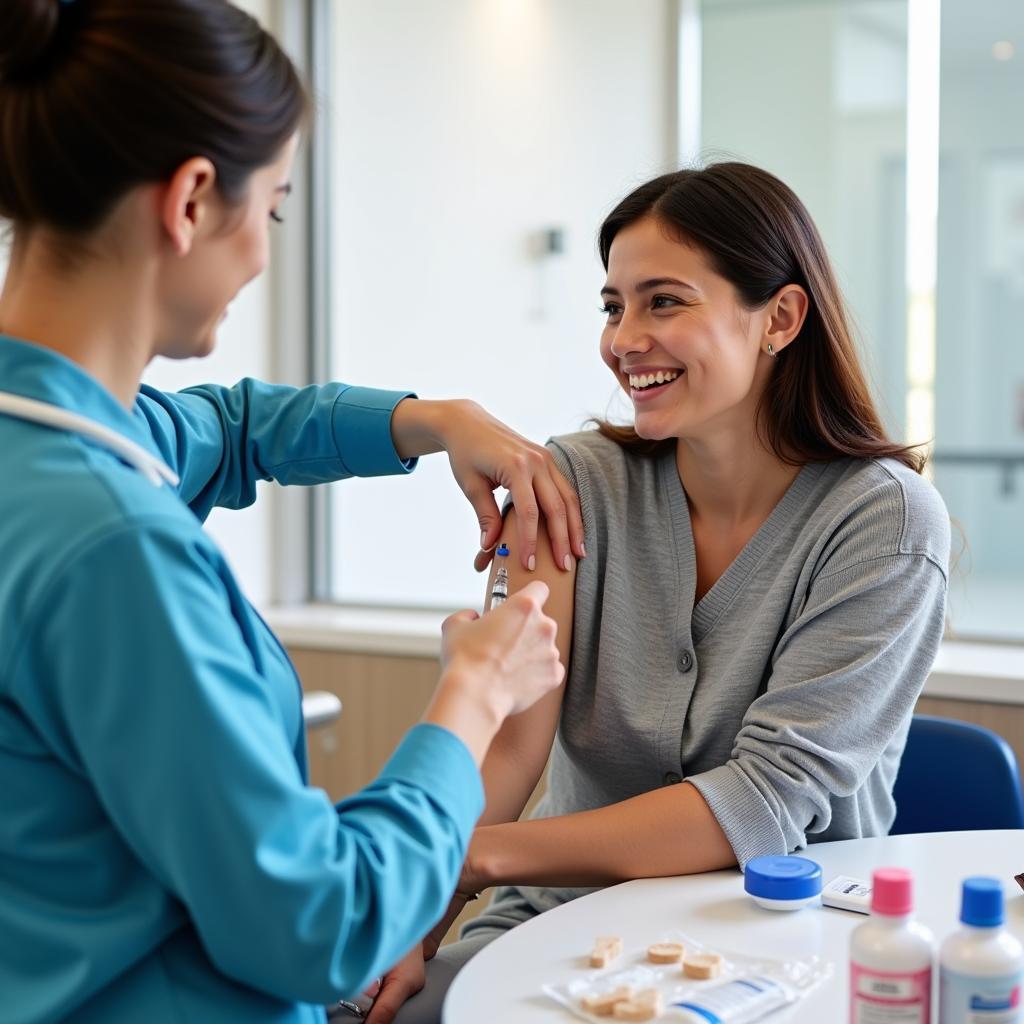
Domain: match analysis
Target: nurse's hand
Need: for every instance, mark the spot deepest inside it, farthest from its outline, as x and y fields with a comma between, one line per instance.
x=495, y=666
x=402, y=982
x=486, y=454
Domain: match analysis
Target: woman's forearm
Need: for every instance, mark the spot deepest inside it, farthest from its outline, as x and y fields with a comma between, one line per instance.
x=669, y=831
x=508, y=783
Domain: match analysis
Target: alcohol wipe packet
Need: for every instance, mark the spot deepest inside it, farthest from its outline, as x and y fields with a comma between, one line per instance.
x=738, y=989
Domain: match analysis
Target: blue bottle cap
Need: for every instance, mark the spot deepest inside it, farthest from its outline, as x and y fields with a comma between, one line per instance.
x=982, y=902
x=502, y=549
x=782, y=878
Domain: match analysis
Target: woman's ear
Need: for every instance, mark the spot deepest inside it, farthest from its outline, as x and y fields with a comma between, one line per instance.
x=787, y=310
x=186, y=202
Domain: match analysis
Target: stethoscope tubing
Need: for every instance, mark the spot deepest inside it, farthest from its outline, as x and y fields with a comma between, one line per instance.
x=49, y=415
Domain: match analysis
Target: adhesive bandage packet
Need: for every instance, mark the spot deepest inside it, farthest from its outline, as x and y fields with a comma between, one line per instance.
x=846, y=893
x=643, y=984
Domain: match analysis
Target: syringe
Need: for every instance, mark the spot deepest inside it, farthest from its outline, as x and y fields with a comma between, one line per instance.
x=499, y=589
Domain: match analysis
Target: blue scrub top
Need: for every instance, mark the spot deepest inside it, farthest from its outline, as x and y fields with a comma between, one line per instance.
x=161, y=856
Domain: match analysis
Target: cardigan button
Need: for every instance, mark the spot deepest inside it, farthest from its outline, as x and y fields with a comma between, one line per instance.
x=685, y=661
x=671, y=778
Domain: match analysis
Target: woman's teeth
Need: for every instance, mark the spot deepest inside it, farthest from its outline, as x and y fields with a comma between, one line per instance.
x=638, y=381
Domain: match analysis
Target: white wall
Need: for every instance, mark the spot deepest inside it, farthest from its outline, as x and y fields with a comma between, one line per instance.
x=463, y=128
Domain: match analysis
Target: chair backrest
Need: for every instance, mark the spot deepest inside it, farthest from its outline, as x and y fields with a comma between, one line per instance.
x=955, y=776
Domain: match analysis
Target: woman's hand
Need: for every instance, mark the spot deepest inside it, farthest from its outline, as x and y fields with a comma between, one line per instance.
x=476, y=875
x=485, y=454
x=436, y=935
x=402, y=982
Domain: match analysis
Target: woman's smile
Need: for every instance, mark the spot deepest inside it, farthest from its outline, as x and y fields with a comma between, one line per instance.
x=646, y=385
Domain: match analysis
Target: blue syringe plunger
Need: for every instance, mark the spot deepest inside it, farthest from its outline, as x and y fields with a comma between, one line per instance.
x=503, y=550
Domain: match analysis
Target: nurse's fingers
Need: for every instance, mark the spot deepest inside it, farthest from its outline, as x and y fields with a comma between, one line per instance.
x=483, y=559
x=527, y=518
x=545, y=492
x=574, y=514
x=480, y=493
x=562, y=518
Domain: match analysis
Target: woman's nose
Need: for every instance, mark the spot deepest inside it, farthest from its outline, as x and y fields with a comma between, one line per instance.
x=630, y=336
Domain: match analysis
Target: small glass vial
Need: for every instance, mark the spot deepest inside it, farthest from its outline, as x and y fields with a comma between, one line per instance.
x=981, y=966
x=499, y=589
x=891, y=956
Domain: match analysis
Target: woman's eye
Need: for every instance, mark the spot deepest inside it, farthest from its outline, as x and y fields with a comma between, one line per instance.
x=611, y=309
x=664, y=302
x=276, y=217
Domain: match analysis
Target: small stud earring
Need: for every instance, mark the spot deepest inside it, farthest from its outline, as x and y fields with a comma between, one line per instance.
x=771, y=351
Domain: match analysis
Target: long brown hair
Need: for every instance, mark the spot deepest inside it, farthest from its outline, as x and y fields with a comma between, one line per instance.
x=756, y=233
x=98, y=96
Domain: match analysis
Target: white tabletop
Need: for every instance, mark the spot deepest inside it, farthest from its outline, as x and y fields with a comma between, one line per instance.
x=503, y=983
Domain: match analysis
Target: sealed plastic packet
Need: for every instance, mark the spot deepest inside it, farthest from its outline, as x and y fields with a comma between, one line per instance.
x=744, y=990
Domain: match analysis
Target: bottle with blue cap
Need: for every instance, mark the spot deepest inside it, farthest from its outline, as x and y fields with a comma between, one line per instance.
x=981, y=966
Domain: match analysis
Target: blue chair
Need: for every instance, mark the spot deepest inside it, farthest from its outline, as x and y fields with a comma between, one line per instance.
x=956, y=777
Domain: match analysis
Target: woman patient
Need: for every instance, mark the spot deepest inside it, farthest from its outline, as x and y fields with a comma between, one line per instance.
x=765, y=584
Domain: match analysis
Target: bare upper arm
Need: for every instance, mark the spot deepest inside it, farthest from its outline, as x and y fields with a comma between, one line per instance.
x=524, y=741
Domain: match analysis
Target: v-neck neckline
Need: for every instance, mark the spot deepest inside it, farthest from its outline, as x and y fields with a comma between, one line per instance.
x=706, y=612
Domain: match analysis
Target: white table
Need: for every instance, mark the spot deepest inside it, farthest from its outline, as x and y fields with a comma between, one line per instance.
x=502, y=984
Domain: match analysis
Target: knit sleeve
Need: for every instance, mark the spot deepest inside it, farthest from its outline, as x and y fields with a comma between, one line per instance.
x=841, y=685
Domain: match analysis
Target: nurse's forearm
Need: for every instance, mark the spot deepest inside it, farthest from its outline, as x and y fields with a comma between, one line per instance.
x=669, y=831
x=460, y=705
x=418, y=426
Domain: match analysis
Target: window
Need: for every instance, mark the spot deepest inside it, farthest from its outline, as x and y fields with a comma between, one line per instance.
x=493, y=125
x=818, y=93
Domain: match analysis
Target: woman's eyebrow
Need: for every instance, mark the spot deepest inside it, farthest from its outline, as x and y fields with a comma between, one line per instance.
x=654, y=282
x=660, y=282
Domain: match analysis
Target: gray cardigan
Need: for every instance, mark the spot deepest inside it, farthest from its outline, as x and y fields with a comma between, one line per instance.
x=785, y=695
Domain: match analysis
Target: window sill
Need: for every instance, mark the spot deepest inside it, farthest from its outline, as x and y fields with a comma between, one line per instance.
x=963, y=671
x=978, y=671
x=411, y=633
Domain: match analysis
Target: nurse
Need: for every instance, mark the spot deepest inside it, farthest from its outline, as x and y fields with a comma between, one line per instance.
x=161, y=856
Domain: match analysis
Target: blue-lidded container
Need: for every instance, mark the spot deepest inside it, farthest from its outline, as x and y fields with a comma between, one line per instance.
x=782, y=883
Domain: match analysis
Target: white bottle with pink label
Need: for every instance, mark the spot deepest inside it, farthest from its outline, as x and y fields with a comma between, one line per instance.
x=891, y=957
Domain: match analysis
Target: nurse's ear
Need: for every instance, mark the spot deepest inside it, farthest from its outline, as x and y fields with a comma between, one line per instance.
x=186, y=202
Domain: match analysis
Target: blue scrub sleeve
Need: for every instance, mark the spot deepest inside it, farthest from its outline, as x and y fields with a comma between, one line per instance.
x=222, y=440
x=140, y=680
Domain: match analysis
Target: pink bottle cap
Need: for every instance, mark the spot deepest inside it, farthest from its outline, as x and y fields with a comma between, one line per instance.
x=892, y=892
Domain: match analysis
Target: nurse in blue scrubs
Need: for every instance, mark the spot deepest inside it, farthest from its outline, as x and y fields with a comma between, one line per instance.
x=161, y=856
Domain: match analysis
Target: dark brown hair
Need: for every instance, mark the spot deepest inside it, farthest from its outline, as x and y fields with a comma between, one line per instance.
x=98, y=96
x=756, y=233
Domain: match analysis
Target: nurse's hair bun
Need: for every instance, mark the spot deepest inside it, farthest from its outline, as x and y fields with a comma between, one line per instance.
x=28, y=34
x=98, y=97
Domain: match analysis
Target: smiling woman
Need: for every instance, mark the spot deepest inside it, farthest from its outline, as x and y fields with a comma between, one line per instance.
x=766, y=584
x=815, y=402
